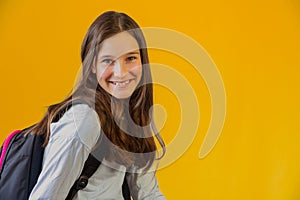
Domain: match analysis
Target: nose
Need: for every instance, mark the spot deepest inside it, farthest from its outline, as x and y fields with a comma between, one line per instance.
x=119, y=69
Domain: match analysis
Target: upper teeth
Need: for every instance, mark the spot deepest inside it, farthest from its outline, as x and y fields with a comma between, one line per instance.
x=121, y=83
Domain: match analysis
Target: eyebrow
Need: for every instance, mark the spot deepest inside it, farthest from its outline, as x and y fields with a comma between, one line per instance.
x=135, y=52
x=106, y=56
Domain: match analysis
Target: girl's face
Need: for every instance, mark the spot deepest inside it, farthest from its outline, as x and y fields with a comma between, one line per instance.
x=119, y=67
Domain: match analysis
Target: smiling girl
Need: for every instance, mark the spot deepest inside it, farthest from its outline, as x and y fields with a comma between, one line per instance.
x=113, y=120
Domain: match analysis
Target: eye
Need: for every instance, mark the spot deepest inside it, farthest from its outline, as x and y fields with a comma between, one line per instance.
x=131, y=58
x=107, y=61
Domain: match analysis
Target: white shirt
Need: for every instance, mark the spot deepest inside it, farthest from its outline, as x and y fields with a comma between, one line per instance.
x=72, y=139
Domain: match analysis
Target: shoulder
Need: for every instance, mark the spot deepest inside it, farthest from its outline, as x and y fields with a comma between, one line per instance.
x=82, y=113
x=81, y=122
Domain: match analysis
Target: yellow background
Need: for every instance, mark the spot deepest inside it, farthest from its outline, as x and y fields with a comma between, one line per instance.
x=256, y=46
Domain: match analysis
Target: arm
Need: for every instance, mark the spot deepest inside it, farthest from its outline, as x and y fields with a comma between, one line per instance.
x=145, y=187
x=71, y=141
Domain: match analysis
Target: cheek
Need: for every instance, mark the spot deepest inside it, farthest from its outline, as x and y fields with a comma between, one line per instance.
x=103, y=74
x=137, y=70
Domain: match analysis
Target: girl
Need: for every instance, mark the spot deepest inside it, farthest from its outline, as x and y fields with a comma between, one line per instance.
x=112, y=121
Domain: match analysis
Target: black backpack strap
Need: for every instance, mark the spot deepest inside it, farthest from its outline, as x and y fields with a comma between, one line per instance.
x=36, y=160
x=125, y=190
x=90, y=167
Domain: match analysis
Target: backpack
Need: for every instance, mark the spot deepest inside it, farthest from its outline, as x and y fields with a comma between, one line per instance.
x=21, y=163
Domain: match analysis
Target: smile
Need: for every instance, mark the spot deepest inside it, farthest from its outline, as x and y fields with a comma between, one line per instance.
x=121, y=83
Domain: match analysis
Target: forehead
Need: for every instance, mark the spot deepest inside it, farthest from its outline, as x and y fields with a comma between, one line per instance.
x=118, y=45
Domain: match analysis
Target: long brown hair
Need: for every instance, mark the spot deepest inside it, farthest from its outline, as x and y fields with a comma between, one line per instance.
x=111, y=111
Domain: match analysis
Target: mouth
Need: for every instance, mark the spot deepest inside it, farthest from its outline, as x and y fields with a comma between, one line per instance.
x=121, y=83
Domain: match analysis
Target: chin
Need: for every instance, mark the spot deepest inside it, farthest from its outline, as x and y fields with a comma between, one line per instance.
x=122, y=96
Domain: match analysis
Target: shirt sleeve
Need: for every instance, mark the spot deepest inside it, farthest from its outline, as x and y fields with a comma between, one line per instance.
x=71, y=141
x=145, y=187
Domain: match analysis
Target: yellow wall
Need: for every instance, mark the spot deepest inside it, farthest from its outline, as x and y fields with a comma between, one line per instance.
x=255, y=45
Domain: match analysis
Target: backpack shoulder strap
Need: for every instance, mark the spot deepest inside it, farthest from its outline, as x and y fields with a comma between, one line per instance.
x=90, y=167
x=36, y=160
x=125, y=189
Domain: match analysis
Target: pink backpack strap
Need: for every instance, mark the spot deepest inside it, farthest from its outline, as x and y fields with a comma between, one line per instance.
x=6, y=144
